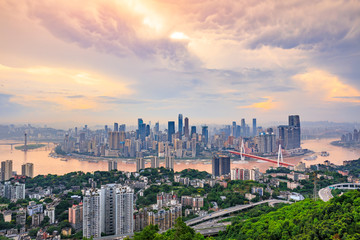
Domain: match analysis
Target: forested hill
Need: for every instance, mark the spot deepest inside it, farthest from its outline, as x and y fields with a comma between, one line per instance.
x=337, y=219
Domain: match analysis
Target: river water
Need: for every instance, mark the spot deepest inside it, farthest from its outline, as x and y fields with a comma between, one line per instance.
x=44, y=164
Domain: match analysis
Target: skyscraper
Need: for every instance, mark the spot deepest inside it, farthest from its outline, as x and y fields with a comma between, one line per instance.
x=294, y=126
x=171, y=130
x=254, y=127
x=27, y=169
x=243, y=127
x=157, y=128
x=220, y=165
x=140, y=163
x=169, y=161
x=93, y=213
x=290, y=135
x=224, y=167
x=141, y=132
x=233, y=129
x=215, y=166
x=180, y=126
x=155, y=162
x=122, y=128
x=76, y=216
x=112, y=165
x=186, y=128
x=193, y=130
x=108, y=210
x=116, y=127
x=6, y=170
x=124, y=210
x=205, y=134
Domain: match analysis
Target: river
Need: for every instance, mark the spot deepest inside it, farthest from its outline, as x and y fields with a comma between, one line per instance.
x=44, y=164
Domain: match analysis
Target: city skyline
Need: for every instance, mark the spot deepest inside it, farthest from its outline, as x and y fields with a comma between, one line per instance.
x=65, y=62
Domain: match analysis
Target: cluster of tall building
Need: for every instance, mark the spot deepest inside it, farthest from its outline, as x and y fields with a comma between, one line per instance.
x=220, y=165
x=164, y=213
x=351, y=137
x=6, y=171
x=118, y=142
x=108, y=210
x=243, y=130
x=180, y=140
x=290, y=135
x=245, y=174
x=12, y=191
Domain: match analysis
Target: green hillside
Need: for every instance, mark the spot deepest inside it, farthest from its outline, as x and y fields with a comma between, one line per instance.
x=337, y=219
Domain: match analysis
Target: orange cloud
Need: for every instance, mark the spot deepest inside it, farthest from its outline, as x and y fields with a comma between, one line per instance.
x=30, y=86
x=327, y=86
x=267, y=105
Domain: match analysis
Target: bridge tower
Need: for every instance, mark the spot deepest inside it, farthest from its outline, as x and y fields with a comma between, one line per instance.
x=242, y=150
x=280, y=156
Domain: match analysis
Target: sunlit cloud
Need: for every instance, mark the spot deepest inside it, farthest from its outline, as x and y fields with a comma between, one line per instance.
x=266, y=105
x=125, y=58
x=31, y=86
x=179, y=35
x=328, y=86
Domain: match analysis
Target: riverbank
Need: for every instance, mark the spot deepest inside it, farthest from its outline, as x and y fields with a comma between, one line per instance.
x=345, y=145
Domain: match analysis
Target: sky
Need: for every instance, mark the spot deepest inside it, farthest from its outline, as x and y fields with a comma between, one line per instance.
x=94, y=62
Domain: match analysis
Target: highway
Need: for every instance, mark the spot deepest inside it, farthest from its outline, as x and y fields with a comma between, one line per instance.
x=230, y=210
x=325, y=193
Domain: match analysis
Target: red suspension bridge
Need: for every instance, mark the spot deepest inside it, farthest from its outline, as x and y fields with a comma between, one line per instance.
x=278, y=162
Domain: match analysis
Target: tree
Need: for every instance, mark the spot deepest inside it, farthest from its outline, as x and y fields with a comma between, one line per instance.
x=148, y=233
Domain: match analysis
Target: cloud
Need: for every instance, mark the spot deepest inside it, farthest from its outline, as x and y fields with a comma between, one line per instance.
x=66, y=89
x=265, y=105
x=327, y=86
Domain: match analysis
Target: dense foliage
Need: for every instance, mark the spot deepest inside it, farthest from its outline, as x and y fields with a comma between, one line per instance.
x=337, y=219
x=353, y=167
x=194, y=174
x=180, y=232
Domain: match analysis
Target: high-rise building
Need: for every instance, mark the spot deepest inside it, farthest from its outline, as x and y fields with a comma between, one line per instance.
x=93, y=213
x=215, y=166
x=157, y=128
x=6, y=170
x=294, y=125
x=116, y=127
x=140, y=163
x=171, y=130
x=169, y=162
x=243, y=127
x=220, y=165
x=13, y=191
x=233, y=129
x=290, y=135
x=155, y=162
x=267, y=142
x=205, y=134
x=124, y=210
x=27, y=170
x=186, y=128
x=254, y=128
x=141, y=131
x=122, y=128
x=114, y=140
x=76, y=216
x=193, y=130
x=180, y=125
x=112, y=165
